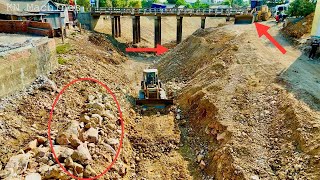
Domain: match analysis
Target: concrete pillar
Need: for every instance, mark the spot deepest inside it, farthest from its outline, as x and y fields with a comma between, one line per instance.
x=116, y=26
x=112, y=26
x=138, y=29
x=157, y=31
x=203, y=22
x=119, y=27
x=179, y=29
x=134, y=30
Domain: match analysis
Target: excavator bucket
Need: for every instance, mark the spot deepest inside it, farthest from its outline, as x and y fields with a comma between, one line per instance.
x=243, y=19
x=154, y=102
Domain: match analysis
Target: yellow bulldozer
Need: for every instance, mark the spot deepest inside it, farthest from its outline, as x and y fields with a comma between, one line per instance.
x=258, y=12
x=152, y=92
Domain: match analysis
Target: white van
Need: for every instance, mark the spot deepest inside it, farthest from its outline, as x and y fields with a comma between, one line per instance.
x=280, y=9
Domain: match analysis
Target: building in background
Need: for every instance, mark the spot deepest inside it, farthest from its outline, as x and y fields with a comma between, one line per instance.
x=35, y=10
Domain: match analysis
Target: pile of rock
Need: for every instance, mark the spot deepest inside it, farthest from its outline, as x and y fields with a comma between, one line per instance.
x=85, y=142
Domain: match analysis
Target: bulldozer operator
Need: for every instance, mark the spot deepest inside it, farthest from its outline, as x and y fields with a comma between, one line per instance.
x=314, y=47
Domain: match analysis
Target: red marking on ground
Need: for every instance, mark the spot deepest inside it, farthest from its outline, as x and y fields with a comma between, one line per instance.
x=120, y=116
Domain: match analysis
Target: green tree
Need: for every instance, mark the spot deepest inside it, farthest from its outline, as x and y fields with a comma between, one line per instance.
x=135, y=3
x=227, y=2
x=180, y=2
x=105, y=3
x=84, y=3
x=199, y=4
x=148, y=3
x=302, y=7
x=172, y=1
x=119, y=3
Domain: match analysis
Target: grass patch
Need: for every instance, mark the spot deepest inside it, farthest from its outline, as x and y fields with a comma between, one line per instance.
x=62, y=61
x=64, y=48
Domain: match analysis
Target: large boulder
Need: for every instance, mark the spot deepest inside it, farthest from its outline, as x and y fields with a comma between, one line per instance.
x=64, y=136
x=91, y=135
x=96, y=119
x=82, y=154
x=31, y=145
x=18, y=164
x=33, y=176
x=62, y=152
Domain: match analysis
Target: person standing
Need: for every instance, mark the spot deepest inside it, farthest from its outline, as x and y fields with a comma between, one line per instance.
x=314, y=47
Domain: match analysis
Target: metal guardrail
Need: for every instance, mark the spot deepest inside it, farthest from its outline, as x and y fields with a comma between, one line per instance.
x=169, y=11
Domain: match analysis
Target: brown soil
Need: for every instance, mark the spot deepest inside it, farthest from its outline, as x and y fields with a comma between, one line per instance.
x=238, y=116
x=300, y=28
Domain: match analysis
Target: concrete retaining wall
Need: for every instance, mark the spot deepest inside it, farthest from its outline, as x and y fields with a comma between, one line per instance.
x=87, y=20
x=20, y=67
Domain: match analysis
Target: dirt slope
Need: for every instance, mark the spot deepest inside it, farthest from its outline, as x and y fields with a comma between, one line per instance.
x=85, y=128
x=238, y=117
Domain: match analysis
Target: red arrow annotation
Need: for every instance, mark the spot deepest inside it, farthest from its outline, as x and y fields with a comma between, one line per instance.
x=159, y=49
x=263, y=30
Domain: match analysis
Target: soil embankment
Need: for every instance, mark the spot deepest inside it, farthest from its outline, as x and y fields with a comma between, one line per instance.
x=241, y=122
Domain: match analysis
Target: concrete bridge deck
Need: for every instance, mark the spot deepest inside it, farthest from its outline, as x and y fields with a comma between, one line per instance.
x=207, y=12
x=158, y=13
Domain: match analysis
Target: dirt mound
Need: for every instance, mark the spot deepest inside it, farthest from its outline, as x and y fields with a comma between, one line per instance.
x=234, y=110
x=300, y=28
x=103, y=44
x=86, y=148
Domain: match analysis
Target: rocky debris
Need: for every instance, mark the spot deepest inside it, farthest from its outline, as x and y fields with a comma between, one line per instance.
x=41, y=139
x=91, y=135
x=55, y=172
x=200, y=157
x=32, y=145
x=33, y=176
x=113, y=141
x=18, y=164
x=62, y=152
x=89, y=172
x=82, y=154
x=76, y=117
x=202, y=164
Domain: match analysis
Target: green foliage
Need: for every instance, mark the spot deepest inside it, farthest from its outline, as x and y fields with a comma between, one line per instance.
x=180, y=2
x=62, y=61
x=135, y=3
x=172, y=1
x=302, y=7
x=62, y=49
x=238, y=2
x=199, y=4
x=105, y=3
x=188, y=5
x=84, y=3
x=147, y=4
x=227, y=2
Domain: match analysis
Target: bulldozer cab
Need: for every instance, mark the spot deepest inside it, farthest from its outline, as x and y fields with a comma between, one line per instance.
x=150, y=76
x=151, y=92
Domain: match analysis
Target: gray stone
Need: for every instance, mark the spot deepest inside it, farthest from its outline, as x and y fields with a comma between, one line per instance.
x=33, y=176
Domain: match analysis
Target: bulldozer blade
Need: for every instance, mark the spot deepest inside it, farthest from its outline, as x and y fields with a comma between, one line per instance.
x=165, y=102
x=243, y=19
